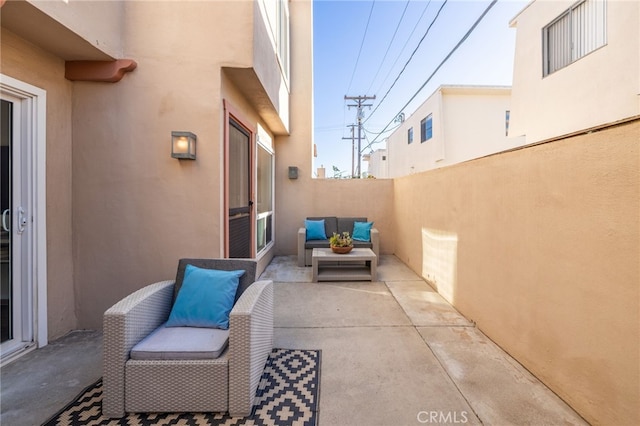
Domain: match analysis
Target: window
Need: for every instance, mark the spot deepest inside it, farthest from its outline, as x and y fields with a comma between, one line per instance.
x=507, y=113
x=277, y=15
x=410, y=135
x=264, y=194
x=426, y=128
x=577, y=32
x=283, y=36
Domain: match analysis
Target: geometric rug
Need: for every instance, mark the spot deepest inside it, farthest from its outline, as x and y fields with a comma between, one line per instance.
x=287, y=395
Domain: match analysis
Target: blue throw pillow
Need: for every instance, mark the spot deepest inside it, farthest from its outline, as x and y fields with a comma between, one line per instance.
x=362, y=231
x=205, y=298
x=315, y=229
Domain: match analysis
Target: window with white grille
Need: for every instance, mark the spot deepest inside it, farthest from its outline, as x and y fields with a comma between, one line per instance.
x=577, y=32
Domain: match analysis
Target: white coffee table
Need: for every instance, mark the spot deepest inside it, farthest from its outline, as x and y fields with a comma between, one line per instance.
x=357, y=265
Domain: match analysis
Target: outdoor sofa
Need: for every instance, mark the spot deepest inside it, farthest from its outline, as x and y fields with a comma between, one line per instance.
x=338, y=225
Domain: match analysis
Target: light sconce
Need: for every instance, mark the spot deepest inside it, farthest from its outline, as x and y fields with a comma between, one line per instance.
x=183, y=145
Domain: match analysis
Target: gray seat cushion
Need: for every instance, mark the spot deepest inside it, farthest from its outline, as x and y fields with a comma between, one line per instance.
x=181, y=343
x=311, y=244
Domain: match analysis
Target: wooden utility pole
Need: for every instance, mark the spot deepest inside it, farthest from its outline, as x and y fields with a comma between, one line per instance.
x=352, y=149
x=359, y=104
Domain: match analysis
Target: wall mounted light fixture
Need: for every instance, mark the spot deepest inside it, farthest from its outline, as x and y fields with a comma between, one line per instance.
x=183, y=145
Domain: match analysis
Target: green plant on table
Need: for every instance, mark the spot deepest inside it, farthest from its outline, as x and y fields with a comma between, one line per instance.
x=341, y=240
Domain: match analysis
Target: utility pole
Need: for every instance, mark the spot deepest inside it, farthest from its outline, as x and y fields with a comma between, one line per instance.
x=359, y=104
x=352, y=148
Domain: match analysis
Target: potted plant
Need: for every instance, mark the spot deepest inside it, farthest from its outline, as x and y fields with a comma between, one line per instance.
x=341, y=243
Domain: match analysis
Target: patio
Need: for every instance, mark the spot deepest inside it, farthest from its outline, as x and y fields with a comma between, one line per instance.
x=394, y=352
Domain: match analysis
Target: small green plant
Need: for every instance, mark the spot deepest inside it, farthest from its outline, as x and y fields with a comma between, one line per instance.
x=341, y=240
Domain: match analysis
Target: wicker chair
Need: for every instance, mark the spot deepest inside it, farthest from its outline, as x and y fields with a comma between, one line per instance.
x=224, y=384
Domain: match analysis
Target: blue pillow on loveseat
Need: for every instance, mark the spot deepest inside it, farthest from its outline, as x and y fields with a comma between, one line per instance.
x=362, y=231
x=315, y=229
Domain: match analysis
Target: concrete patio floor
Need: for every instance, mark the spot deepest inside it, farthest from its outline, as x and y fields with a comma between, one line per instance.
x=394, y=352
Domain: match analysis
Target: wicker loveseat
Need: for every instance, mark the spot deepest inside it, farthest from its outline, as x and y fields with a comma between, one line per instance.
x=334, y=224
x=200, y=383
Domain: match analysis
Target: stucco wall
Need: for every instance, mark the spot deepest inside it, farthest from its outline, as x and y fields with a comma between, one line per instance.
x=602, y=87
x=98, y=22
x=540, y=248
x=370, y=198
x=31, y=65
x=137, y=210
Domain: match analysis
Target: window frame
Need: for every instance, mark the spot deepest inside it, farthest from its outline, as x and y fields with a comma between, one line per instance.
x=426, y=128
x=410, y=135
x=266, y=215
x=573, y=42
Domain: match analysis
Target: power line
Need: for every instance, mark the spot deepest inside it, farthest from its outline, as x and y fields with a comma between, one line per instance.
x=405, y=45
x=389, y=46
x=408, y=60
x=378, y=134
x=364, y=36
x=372, y=132
x=462, y=40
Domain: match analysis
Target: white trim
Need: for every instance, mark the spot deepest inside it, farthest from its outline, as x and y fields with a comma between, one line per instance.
x=269, y=150
x=36, y=103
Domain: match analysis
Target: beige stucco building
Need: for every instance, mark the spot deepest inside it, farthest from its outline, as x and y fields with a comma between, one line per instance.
x=377, y=164
x=537, y=245
x=92, y=92
x=597, y=82
x=455, y=124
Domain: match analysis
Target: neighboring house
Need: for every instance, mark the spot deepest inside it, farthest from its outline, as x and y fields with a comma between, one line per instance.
x=576, y=67
x=378, y=164
x=455, y=124
x=91, y=93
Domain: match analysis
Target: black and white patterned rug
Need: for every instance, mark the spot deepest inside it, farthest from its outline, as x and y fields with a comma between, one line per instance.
x=287, y=395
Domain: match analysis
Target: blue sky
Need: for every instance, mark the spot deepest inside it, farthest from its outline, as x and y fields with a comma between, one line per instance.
x=349, y=62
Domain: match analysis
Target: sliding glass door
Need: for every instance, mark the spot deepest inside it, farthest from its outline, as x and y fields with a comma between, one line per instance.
x=23, y=235
x=16, y=324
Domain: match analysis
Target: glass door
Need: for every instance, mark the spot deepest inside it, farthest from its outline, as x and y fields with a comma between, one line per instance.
x=15, y=293
x=6, y=308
